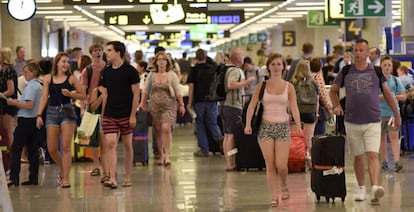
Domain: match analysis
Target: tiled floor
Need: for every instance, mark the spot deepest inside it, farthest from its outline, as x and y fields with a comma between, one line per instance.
x=197, y=184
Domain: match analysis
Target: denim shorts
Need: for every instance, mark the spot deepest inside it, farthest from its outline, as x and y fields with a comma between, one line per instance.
x=308, y=118
x=55, y=117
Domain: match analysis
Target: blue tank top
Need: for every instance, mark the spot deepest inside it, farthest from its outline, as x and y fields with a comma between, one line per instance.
x=56, y=97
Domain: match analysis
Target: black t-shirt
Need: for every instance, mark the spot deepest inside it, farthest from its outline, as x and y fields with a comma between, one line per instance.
x=118, y=84
x=201, y=76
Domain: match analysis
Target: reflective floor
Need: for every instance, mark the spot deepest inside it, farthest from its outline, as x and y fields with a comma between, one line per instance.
x=197, y=184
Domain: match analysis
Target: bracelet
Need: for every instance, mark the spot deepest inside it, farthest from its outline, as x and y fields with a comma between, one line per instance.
x=39, y=115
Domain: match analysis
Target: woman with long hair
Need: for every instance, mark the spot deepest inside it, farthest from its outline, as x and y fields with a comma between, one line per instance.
x=61, y=86
x=274, y=131
x=162, y=88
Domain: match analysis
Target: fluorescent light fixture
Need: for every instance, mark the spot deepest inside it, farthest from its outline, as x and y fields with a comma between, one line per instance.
x=276, y=19
x=253, y=9
x=396, y=23
x=83, y=23
x=293, y=13
x=258, y=17
x=310, y=4
x=111, y=7
x=100, y=11
x=304, y=8
x=90, y=15
x=250, y=5
x=117, y=30
x=135, y=28
x=248, y=14
x=43, y=12
x=179, y=27
x=70, y=19
x=50, y=8
x=396, y=6
x=62, y=16
x=285, y=16
x=43, y=1
x=396, y=17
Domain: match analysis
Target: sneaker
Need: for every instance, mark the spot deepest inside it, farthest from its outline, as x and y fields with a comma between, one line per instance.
x=200, y=153
x=376, y=193
x=384, y=166
x=360, y=193
x=397, y=166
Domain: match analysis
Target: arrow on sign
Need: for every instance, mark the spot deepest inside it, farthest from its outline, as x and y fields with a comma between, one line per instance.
x=146, y=19
x=377, y=6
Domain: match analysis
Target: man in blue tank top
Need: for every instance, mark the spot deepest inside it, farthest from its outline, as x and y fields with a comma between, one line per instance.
x=363, y=116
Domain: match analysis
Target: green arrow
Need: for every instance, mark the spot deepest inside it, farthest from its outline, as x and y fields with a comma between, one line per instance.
x=377, y=6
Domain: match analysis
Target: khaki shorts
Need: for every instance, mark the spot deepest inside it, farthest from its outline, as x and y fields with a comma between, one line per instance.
x=363, y=138
x=385, y=128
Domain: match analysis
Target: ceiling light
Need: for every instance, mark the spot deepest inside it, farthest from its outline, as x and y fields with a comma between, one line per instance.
x=250, y=5
x=293, y=13
x=117, y=30
x=179, y=27
x=135, y=28
x=304, y=8
x=111, y=7
x=248, y=14
x=54, y=12
x=253, y=9
x=100, y=11
x=285, y=16
x=276, y=19
x=90, y=15
x=50, y=8
x=70, y=19
x=62, y=16
x=310, y=4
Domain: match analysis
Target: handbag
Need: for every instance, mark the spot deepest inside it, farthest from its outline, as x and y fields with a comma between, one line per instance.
x=258, y=111
x=323, y=113
x=87, y=133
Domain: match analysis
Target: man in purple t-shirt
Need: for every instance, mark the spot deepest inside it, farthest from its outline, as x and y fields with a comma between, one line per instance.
x=363, y=117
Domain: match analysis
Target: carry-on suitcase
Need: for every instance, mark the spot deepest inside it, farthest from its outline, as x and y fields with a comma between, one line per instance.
x=140, y=138
x=297, y=152
x=248, y=154
x=328, y=174
x=4, y=148
x=407, y=134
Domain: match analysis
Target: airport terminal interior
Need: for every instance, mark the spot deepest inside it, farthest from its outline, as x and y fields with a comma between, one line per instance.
x=190, y=183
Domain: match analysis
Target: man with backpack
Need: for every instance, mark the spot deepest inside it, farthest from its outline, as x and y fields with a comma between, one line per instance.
x=234, y=83
x=206, y=109
x=363, y=116
x=90, y=77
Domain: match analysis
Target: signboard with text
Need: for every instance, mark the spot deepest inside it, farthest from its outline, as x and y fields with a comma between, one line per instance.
x=316, y=18
x=289, y=38
x=174, y=16
x=135, y=2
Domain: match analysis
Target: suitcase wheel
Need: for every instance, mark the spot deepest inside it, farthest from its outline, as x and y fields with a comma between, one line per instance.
x=327, y=199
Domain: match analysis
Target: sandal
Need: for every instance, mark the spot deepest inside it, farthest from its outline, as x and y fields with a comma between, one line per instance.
x=95, y=172
x=127, y=184
x=285, y=193
x=59, y=179
x=110, y=185
x=65, y=185
x=104, y=179
x=274, y=203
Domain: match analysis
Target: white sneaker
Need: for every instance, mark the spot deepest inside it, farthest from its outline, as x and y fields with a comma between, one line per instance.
x=376, y=193
x=360, y=193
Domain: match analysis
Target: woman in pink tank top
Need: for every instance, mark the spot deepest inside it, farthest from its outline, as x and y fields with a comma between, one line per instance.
x=274, y=131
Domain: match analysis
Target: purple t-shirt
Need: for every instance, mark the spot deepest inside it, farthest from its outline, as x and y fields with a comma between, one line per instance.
x=362, y=89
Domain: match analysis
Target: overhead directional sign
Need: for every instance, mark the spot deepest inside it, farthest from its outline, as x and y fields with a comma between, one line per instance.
x=334, y=9
x=261, y=37
x=316, y=18
x=175, y=16
x=150, y=36
x=364, y=8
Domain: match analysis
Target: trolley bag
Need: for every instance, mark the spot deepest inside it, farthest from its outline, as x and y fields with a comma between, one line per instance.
x=407, y=135
x=248, y=153
x=4, y=148
x=328, y=174
x=213, y=145
x=140, y=138
x=297, y=152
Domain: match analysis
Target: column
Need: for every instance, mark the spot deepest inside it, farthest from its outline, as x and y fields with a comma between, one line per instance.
x=407, y=17
x=15, y=33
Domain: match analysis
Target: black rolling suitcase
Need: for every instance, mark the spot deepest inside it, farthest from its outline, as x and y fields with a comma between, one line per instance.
x=328, y=174
x=248, y=154
x=140, y=139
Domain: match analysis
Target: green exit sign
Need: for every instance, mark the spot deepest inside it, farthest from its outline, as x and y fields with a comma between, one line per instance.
x=364, y=8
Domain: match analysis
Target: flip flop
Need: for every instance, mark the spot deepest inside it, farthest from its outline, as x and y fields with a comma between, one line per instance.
x=127, y=184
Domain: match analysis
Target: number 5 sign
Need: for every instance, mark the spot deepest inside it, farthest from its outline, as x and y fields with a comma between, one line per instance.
x=289, y=38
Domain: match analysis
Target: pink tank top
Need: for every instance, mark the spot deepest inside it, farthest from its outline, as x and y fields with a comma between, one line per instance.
x=275, y=108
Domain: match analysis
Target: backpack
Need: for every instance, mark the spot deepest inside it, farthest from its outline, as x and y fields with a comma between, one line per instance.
x=307, y=95
x=217, y=90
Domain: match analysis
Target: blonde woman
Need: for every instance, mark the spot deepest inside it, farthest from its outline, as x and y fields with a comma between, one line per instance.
x=302, y=72
x=8, y=87
x=58, y=89
x=162, y=87
x=274, y=131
